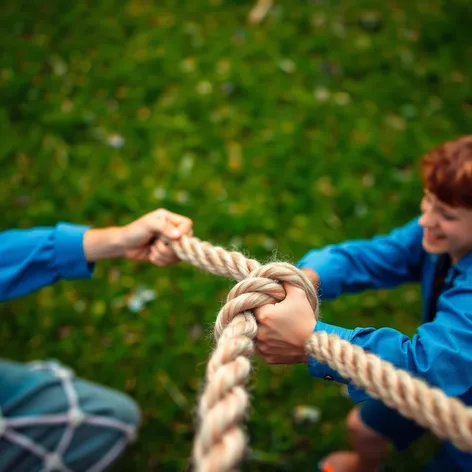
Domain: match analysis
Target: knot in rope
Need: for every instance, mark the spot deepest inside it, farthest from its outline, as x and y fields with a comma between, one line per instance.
x=220, y=444
x=262, y=286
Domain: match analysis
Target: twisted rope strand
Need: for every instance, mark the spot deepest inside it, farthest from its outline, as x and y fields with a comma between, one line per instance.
x=220, y=443
x=447, y=417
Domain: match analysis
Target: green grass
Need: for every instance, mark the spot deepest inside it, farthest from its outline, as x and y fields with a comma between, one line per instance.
x=299, y=132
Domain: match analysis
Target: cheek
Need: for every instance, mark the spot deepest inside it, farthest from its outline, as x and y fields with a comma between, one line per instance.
x=454, y=233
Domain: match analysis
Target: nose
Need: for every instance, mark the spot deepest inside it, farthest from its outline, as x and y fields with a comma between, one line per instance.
x=428, y=218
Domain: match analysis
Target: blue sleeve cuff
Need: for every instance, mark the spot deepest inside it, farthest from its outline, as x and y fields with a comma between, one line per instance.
x=69, y=252
x=320, y=370
x=356, y=393
x=324, y=264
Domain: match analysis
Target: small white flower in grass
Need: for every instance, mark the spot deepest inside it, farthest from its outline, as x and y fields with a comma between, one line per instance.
x=321, y=94
x=147, y=295
x=135, y=305
x=302, y=413
x=204, y=87
x=186, y=164
x=58, y=65
x=115, y=141
x=160, y=193
x=140, y=298
x=287, y=65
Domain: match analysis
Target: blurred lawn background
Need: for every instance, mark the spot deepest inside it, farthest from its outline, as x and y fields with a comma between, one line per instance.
x=301, y=131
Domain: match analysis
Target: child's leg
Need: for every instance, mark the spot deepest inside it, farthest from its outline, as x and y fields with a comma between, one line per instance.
x=372, y=428
x=50, y=420
x=369, y=449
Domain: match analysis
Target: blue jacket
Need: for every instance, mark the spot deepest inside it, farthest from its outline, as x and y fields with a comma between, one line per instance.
x=440, y=351
x=30, y=259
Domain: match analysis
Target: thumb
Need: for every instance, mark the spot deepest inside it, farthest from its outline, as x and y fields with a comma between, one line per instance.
x=292, y=291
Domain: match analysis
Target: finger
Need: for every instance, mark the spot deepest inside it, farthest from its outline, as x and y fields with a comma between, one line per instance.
x=178, y=222
x=261, y=335
x=161, y=260
x=156, y=258
x=154, y=245
x=185, y=225
x=163, y=249
x=159, y=263
x=158, y=223
x=259, y=351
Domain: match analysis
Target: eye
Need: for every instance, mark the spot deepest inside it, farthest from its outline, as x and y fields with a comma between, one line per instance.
x=449, y=217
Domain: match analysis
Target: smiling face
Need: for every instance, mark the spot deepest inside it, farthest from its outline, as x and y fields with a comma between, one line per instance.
x=447, y=229
x=447, y=203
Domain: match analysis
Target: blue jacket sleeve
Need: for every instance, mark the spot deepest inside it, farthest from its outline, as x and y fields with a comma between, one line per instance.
x=381, y=262
x=439, y=352
x=30, y=259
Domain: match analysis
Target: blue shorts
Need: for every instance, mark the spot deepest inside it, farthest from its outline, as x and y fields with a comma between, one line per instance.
x=390, y=424
x=402, y=432
x=51, y=420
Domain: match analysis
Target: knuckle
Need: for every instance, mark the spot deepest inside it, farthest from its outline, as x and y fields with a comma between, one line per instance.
x=264, y=317
x=260, y=337
x=262, y=347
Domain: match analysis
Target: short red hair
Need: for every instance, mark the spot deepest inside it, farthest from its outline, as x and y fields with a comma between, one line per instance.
x=447, y=172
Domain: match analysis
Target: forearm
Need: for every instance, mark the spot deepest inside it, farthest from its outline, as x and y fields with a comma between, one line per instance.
x=106, y=243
